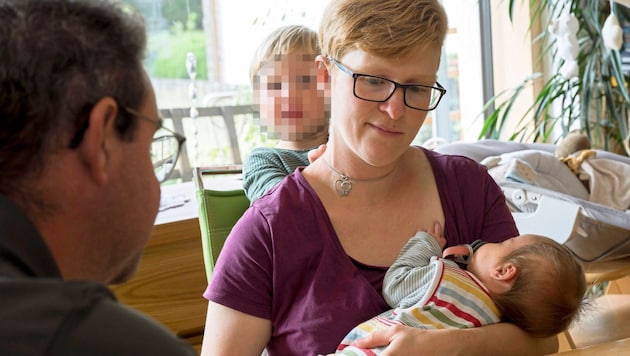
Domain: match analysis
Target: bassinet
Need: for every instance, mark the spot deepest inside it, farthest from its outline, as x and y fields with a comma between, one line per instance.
x=593, y=231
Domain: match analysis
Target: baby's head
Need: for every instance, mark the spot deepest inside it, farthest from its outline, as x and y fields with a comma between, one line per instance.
x=536, y=282
x=292, y=95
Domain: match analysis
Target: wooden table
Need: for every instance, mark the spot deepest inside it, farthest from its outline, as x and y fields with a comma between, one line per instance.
x=171, y=277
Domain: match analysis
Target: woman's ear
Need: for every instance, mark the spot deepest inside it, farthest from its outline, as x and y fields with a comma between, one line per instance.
x=95, y=149
x=323, y=77
x=322, y=70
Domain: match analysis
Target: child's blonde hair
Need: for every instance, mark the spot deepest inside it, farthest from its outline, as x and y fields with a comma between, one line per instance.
x=548, y=292
x=282, y=41
x=385, y=28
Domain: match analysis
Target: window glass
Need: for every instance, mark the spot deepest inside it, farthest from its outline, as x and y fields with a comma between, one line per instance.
x=223, y=34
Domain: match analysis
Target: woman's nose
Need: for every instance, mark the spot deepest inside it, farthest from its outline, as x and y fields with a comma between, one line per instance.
x=395, y=106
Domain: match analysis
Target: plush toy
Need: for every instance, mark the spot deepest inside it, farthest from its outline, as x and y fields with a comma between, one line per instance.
x=573, y=142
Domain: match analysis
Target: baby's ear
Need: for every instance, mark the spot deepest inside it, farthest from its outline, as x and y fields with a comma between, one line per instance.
x=504, y=275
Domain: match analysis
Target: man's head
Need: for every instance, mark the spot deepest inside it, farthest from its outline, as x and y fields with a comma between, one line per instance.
x=293, y=99
x=73, y=155
x=384, y=28
x=536, y=282
x=58, y=59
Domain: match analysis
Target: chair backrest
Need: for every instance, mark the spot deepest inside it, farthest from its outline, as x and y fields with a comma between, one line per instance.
x=219, y=209
x=206, y=117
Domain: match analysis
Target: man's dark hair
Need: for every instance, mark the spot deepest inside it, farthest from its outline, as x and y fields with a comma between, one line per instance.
x=57, y=59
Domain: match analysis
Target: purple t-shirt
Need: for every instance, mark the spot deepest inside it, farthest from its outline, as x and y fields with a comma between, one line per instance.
x=283, y=261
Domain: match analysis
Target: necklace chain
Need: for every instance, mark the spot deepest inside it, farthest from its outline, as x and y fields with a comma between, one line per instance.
x=343, y=184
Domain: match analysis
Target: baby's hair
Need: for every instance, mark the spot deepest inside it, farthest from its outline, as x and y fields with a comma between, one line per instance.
x=548, y=292
x=283, y=41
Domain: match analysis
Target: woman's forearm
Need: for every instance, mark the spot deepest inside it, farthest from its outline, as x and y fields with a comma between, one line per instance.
x=496, y=339
x=505, y=339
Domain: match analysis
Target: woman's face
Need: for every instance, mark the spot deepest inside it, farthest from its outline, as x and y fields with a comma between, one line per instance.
x=292, y=102
x=378, y=132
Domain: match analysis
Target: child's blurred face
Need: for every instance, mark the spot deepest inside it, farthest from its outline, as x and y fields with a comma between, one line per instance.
x=292, y=102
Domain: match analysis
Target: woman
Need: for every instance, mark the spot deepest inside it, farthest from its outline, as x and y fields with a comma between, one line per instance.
x=306, y=262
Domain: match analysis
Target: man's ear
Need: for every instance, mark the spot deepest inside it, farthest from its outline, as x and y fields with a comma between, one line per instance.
x=504, y=275
x=95, y=149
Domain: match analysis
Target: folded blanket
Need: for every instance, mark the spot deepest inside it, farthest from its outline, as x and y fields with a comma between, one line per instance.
x=609, y=182
x=536, y=167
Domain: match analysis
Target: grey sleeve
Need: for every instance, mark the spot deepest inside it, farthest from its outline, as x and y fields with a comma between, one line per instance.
x=408, y=278
x=109, y=328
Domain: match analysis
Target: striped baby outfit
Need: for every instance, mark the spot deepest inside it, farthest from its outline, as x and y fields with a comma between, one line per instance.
x=429, y=293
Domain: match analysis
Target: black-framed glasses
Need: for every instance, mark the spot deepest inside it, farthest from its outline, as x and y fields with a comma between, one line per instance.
x=372, y=88
x=165, y=148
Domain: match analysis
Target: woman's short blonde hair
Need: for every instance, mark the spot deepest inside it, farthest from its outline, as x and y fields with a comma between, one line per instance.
x=283, y=41
x=384, y=28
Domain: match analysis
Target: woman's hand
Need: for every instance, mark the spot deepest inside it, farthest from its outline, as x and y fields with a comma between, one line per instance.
x=405, y=340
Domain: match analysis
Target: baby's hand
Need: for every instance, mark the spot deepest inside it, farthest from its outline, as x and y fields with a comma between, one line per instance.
x=315, y=153
x=436, y=233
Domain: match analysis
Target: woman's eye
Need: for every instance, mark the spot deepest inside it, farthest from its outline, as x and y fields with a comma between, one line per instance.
x=372, y=81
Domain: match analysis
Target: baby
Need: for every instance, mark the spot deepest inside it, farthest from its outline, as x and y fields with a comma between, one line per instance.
x=529, y=280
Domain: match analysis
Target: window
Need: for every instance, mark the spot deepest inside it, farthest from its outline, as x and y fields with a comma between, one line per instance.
x=223, y=34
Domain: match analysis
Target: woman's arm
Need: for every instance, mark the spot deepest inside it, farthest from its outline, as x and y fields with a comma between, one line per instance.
x=230, y=332
x=495, y=339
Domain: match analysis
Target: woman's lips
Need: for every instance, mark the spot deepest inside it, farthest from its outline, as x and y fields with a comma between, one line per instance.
x=385, y=130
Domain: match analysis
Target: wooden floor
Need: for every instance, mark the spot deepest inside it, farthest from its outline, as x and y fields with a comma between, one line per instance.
x=604, y=328
x=609, y=313
x=613, y=348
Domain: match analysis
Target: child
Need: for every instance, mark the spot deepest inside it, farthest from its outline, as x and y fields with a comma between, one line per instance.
x=293, y=105
x=529, y=280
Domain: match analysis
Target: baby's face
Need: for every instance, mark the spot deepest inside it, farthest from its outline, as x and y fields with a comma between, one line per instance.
x=292, y=102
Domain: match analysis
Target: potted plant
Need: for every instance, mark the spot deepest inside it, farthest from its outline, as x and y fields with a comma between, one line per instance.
x=586, y=90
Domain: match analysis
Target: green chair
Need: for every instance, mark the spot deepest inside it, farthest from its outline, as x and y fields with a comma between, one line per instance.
x=220, y=205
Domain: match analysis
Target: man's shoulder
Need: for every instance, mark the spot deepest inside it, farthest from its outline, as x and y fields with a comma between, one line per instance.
x=39, y=316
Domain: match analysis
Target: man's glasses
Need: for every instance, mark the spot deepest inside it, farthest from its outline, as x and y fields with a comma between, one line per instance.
x=377, y=89
x=165, y=147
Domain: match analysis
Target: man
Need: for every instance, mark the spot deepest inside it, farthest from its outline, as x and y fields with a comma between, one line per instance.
x=81, y=145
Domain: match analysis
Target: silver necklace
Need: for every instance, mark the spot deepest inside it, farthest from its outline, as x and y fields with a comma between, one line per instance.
x=343, y=184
